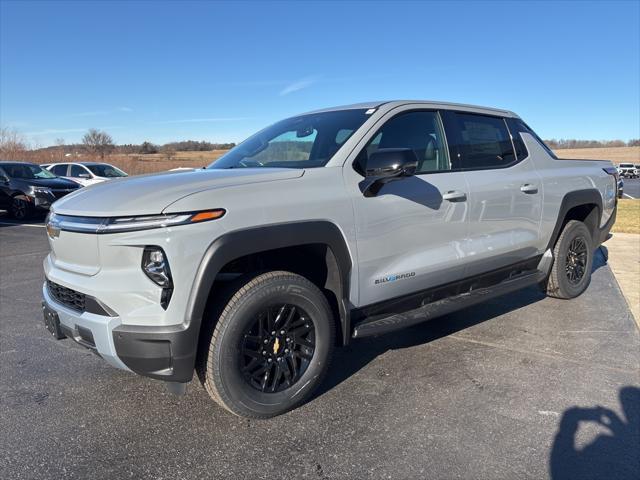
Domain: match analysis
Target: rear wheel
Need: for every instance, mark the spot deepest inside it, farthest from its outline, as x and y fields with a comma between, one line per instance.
x=19, y=208
x=573, y=260
x=271, y=346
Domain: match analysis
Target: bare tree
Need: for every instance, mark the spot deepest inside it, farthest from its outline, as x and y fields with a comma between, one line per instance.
x=60, y=149
x=169, y=153
x=13, y=145
x=97, y=142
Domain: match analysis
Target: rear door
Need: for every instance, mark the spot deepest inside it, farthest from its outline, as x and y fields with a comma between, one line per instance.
x=505, y=192
x=409, y=235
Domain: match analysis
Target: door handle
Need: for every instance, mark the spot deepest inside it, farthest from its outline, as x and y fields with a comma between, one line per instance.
x=455, y=196
x=528, y=188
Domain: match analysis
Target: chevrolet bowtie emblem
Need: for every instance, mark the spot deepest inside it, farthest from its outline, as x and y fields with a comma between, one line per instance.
x=276, y=346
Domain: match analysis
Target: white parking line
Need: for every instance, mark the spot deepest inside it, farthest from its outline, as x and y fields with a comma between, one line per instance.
x=22, y=224
x=629, y=196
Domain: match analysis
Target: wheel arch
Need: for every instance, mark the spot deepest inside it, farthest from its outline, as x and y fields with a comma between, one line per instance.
x=583, y=205
x=270, y=238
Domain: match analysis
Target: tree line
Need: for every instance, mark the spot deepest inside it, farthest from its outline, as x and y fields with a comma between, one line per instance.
x=573, y=143
x=14, y=146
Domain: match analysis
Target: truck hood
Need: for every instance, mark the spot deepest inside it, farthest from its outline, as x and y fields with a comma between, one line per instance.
x=151, y=194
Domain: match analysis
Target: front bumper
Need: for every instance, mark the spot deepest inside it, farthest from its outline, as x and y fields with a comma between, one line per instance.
x=139, y=335
x=87, y=329
x=164, y=353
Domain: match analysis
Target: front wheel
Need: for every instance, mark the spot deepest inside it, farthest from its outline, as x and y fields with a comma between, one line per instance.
x=270, y=347
x=573, y=260
x=19, y=208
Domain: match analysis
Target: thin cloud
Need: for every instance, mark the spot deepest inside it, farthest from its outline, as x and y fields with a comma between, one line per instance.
x=297, y=86
x=202, y=120
x=50, y=131
x=16, y=124
x=97, y=113
x=53, y=131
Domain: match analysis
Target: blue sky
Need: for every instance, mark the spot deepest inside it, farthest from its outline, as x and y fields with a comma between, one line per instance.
x=163, y=71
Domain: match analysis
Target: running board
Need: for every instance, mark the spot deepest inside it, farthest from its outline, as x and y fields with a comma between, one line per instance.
x=380, y=324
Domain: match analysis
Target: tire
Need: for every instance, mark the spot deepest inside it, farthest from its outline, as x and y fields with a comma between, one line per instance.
x=573, y=260
x=244, y=355
x=19, y=208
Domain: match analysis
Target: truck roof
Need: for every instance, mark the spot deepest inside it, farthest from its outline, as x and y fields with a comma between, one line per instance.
x=430, y=103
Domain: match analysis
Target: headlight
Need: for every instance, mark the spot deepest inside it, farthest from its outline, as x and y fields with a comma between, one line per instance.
x=132, y=224
x=129, y=224
x=156, y=266
x=44, y=190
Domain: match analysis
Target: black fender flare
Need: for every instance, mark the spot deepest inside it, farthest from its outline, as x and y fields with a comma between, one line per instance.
x=169, y=353
x=574, y=199
x=236, y=244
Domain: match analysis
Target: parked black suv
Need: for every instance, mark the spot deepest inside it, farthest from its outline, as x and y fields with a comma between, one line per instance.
x=26, y=188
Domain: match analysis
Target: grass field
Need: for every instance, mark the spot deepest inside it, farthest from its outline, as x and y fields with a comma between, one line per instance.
x=136, y=164
x=628, y=217
x=616, y=154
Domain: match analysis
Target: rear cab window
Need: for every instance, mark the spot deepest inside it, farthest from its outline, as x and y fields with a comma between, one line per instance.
x=479, y=141
x=517, y=125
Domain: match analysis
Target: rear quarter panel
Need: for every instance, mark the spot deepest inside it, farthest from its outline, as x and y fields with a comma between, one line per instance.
x=559, y=177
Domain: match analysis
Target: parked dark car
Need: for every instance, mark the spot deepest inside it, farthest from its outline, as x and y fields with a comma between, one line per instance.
x=26, y=188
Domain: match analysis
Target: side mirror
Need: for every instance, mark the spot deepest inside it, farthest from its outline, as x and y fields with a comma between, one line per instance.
x=84, y=175
x=386, y=165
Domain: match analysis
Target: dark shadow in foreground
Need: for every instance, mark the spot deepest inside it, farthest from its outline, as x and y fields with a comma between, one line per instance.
x=612, y=455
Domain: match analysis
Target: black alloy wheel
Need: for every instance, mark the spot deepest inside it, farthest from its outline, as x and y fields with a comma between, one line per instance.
x=576, y=260
x=277, y=349
x=572, y=262
x=19, y=208
x=270, y=342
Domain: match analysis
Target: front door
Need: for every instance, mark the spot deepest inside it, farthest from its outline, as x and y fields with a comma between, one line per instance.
x=410, y=235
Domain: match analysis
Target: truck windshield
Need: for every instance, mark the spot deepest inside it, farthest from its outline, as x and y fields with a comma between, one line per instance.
x=305, y=141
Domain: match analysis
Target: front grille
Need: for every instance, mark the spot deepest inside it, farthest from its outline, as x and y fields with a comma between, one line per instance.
x=67, y=297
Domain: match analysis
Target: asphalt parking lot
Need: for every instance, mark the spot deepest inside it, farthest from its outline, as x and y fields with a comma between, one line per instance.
x=631, y=188
x=521, y=387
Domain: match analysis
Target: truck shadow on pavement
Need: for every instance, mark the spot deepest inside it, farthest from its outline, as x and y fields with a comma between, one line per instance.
x=614, y=454
x=359, y=353
x=348, y=360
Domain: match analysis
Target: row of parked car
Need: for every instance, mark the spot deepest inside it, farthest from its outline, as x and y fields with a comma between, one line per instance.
x=629, y=170
x=28, y=188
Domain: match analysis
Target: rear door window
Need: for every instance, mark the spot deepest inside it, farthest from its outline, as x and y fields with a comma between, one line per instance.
x=77, y=171
x=480, y=141
x=59, y=170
